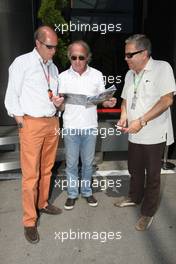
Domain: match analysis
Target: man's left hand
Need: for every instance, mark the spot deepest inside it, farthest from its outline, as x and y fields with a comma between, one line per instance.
x=110, y=103
x=134, y=127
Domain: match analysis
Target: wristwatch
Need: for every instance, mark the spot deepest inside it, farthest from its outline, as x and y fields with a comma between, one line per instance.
x=20, y=125
x=142, y=122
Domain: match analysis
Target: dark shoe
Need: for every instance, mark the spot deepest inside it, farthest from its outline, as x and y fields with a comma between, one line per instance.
x=31, y=234
x=51, y=209
x=124, y=202
x=92, y=201
x=69, y=204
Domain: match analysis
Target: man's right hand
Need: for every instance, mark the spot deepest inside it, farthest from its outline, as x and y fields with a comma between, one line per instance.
x=19, y=120
x=121, y=125
x=58, y=100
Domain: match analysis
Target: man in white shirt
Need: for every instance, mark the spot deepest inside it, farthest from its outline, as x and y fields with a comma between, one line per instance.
x=80, y=121
x=32, y=98
x=147, y=97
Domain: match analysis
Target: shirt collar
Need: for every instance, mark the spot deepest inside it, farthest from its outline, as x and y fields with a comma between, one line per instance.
x=148, y=66
x=38, y=57
x=76, y=73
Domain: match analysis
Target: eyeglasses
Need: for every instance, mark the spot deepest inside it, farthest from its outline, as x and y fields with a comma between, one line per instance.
x=80, y=57
x=130, y=55
x=48, y=46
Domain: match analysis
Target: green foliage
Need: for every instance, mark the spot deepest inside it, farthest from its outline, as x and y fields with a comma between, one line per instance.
x=50, y=14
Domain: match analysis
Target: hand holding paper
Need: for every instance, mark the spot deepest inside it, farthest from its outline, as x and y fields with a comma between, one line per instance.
x=105, y=96
x=110, y=103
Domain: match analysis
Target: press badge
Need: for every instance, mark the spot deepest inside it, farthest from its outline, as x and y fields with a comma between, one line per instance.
x=134, y=101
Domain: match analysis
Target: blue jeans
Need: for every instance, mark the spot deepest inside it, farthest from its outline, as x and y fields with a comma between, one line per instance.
x=79, y=142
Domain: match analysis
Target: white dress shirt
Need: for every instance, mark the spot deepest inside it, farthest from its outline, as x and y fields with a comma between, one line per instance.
x=27, y=91
x=89, y=83
x=157, y=81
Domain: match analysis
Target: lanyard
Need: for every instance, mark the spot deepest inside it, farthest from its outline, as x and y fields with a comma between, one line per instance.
x=136, y=81
x=47, y=77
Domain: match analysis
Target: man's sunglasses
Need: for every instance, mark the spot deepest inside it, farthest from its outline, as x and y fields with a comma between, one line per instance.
x=130, y=55
x=81, y=58
x=48, y=46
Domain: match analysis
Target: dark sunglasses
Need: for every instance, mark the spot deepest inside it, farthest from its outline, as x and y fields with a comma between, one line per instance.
x=131, y=54
x=48, y=46
x=81, y=58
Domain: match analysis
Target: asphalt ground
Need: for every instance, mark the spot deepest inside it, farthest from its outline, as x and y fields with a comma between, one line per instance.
x=85, y=235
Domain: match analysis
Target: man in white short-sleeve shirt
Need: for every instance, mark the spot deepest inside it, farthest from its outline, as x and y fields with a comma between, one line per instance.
x=147, y=97
x=80, y=121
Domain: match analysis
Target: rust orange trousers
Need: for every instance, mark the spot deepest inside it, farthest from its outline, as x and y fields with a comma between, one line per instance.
x=38, y=145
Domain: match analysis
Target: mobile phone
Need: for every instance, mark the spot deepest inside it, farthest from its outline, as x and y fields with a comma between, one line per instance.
x=120, y=127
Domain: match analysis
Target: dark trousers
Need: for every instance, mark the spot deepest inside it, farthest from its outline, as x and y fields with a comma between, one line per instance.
x=144, y=165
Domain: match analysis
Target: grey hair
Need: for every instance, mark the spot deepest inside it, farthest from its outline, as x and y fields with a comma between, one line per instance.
x=84, y=45
x=141, y=42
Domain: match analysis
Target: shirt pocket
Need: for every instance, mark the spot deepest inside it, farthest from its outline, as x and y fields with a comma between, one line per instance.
x=149, y=94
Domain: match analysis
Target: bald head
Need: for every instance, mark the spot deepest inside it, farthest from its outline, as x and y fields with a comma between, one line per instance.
x=46, y=42
x=43, y=32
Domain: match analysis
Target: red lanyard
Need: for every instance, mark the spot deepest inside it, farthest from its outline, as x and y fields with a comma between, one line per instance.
x=47, y=77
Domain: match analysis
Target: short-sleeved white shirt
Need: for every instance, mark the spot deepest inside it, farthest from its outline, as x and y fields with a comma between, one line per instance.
x=157, y=80
x=90, y=83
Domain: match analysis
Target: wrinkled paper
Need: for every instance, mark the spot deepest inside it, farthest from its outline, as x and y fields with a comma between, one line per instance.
x=104, y=96
x=81, y=99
